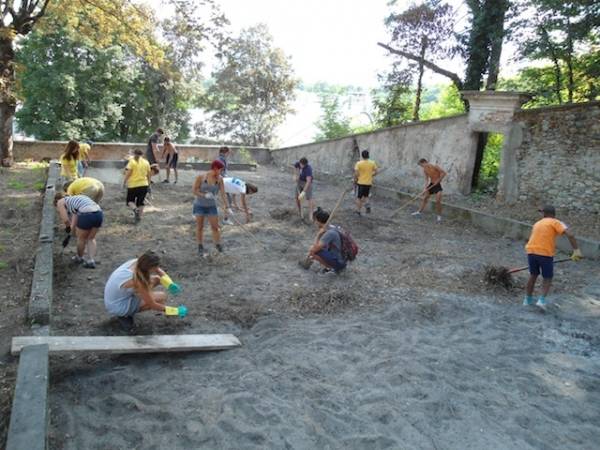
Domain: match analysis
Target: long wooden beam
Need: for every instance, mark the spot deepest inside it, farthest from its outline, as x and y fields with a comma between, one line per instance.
x=129, y=344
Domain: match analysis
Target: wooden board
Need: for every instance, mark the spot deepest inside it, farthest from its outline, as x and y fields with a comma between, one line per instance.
x=129, y=344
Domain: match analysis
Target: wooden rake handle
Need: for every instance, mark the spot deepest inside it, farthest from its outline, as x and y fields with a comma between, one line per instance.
x=520, y=269
x=409, y=202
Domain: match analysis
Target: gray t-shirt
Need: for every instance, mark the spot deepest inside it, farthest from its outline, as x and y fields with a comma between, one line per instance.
x=333, y=242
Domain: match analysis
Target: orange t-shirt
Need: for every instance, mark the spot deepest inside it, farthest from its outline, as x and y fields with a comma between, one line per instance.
x=543, y=236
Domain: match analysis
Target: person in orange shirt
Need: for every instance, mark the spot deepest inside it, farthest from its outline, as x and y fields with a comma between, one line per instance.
x=433, y=185
x=541, y=248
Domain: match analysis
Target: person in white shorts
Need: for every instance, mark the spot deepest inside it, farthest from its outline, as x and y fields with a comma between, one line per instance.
x=234, y=187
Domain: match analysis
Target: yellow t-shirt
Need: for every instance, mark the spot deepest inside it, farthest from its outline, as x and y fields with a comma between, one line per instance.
x=84, y=149
x=139, y=172
x=80, y=185
x=366, y=169
x=68, y=168
x=543, y=236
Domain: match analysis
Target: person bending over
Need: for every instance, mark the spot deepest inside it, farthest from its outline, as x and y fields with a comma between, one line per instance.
x=137, y=181
x=130, y=289
x=206, y=189
x=433, y=185
x=541, y=248
x=87, y=186
x=152, y=151
x=83, y=217
x=327, y=249
x=235, y=187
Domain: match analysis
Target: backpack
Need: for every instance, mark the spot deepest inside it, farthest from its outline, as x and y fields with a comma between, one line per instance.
x=349, y=248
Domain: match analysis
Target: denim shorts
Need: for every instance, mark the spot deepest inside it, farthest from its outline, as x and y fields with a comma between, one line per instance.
x=87, y=221
x=543, y=263
x=205, y=210
x=330, y=259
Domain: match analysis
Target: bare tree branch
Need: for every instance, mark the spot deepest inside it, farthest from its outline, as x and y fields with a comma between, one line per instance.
x=437, y=69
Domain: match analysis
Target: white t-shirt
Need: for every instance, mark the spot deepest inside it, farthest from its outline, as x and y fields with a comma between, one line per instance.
x=234, y=185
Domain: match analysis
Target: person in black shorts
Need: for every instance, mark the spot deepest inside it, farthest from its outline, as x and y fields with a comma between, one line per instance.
x=433, y=186
x=171, y=157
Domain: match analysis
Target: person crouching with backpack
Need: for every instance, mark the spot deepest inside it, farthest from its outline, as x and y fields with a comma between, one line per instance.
x=327, y=249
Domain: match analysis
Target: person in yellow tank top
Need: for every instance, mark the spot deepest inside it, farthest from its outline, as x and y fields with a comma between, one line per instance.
x=137, y=180
x=68, y=161
x=541, y=248
x=87, y=186
x=364, y=172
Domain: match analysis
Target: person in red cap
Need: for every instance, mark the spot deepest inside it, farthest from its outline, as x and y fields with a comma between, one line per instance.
x=541, y=248
x=206, y=189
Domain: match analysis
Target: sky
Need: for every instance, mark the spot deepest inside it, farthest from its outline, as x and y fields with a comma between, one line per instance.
x=327, y=40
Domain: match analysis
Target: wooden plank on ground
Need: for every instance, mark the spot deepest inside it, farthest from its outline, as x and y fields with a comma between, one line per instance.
x=129, y=344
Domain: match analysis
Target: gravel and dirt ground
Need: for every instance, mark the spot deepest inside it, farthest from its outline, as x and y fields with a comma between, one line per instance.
x=406, y=349
x=20, y=212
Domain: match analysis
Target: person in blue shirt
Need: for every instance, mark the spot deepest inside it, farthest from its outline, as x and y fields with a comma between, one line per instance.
x=304, y=184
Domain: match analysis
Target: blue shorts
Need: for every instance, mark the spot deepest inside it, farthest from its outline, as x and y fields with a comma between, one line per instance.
x=543, y=263
x=205, y=210
x=331, y=260
x=87, y=221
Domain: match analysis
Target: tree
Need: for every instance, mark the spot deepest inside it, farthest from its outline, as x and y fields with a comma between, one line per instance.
x=252, y=90
x=481, y=46
x=73, y=86
x=424, y=29
x=333, y=123
x=391, y=102
x=14, y=21
x=554, y=30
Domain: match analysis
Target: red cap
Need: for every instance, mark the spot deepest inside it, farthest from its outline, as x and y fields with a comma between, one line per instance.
x=216, y=164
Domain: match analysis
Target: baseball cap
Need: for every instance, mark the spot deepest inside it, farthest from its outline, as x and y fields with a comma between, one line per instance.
x=548, y=209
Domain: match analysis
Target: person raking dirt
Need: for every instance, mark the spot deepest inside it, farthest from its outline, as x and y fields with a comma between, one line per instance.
x=541, y=248
x=130, y=289
x=233, y=188
x=433, y=185
x=206, y=189
x=364, y=172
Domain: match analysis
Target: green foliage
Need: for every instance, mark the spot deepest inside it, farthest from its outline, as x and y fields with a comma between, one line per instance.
x=17, y=185
x=73, y=90
x=333, y=123
x=541, y=82
x=447, y=103
x=490, y=164
x=3, y=265
x=252, y=90
x=245, y=156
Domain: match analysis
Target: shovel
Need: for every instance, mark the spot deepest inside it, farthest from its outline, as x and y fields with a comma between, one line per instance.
x=307, y=262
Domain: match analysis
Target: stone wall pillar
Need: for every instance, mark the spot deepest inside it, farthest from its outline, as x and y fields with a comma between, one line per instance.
x=493, y=112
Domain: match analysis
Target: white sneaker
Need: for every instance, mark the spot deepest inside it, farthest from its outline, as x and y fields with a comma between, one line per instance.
x=416, y=214
x=227, y=222
x=439, y=219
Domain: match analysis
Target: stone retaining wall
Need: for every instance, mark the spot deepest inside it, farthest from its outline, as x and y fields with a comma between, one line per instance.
x=558, y=159
x=447, y=142
x=37, y=150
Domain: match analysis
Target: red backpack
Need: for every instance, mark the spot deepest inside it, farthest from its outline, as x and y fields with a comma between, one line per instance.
x=349, y=248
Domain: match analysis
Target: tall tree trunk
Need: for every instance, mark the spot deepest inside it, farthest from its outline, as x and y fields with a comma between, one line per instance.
x=569, y=61
x=496, y=39
x=8, y=103
x=420, y=81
